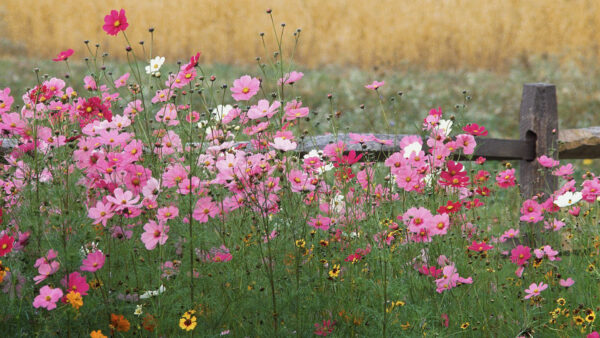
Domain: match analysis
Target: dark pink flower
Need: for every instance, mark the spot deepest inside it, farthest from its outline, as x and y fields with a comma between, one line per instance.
x=64, y=55
x=115, y=22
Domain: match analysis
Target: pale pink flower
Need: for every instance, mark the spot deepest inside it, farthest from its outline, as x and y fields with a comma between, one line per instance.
x=535, y=289
x=290, y=78
x=154, y=234
x=245, y=88
x=101, y=213
x=375, y=85
x=123, y=199
x=547, y=162
x=205, y=208
x=121, y=81
x=47, y=298
x=566, y=282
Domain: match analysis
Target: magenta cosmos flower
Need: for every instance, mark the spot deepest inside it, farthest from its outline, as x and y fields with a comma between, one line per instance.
x=375, y=85
x=520, y=255
x=63, y=56
x=535, y=289
x=245, y=88
x=115, y=22
x=47, y=298
x=93, y=262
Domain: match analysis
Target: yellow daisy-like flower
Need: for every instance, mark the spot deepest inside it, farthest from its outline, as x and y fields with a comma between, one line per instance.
x=590, y=317
x=74, y=298
x=464, y=325
x=561, y=301
x=188, y=321
x=335, y=272
x=578, y=320
x=300, y=243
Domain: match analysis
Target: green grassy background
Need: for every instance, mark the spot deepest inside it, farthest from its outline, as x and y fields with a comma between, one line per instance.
x=495, y=97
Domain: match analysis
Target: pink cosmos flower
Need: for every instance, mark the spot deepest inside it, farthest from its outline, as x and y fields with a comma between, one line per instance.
x=93, y=262
x=535, y=289
x=76, y=282
x=554, y=225
x=564, y=171
x=594, y=334
x=520, y=255
x=324, y=329
x=89, y=83
x=290, y=78
x=6, y=101
x=101, y=213
x=115, y=22
x=123, y=199
x=320, y=222
x=262, y=109
x=205, y=208
x=294, y=110
x=361, y=138
x=283, y=144
x=154, y=234
x=63, y=56
x=47, y=298
x=46, y=266
x=466, y=142
x=547, y=162
x=245, y=88
x=508, y=234
x=6, y=244
x=375, y=85
x=506, y=178
x=121, y=81
x=475, y=129
x=566, y=282
x=480, y=247
x=167, y=213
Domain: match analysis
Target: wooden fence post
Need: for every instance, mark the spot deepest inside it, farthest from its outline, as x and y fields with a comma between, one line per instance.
x=538, y=124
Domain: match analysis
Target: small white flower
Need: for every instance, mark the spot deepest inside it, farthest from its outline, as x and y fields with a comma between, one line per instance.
x=149, y=294
x=155, y=65
x=568, y=198
x=446, y=126
x=414, y=147
x=138, y=310
x=202, y=124
x=221, y=111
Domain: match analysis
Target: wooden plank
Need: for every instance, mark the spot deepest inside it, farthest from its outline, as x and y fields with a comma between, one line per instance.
x=538, y=123
x=579, y=143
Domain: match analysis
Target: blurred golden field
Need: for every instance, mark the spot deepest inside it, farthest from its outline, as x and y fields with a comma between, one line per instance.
x=434, y=34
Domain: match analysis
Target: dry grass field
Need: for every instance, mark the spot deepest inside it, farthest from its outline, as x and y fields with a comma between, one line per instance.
x=434, y=34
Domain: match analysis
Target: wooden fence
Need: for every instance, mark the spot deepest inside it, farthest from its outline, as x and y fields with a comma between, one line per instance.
x=539, y=135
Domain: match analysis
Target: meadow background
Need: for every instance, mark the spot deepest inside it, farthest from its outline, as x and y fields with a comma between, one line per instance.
x=431, y=51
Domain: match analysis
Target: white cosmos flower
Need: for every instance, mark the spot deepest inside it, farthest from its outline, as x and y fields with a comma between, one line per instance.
x=155, y=65
x=221, y=111
x=568, y=198
x=446, y=126
x=149, y=294
x=414, y=147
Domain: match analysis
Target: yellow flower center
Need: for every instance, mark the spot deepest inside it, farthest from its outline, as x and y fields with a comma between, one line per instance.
x=117, y=23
